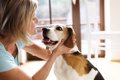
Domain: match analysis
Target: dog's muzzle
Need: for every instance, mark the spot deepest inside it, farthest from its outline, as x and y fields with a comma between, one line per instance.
x=46, y=40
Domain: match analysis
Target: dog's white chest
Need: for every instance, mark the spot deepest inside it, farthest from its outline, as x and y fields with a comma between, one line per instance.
x=65, y=72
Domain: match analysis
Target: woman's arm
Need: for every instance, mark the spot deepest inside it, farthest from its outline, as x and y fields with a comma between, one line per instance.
x=37, y=51
x=18, y=74
x=43, y=73
x=45, y=70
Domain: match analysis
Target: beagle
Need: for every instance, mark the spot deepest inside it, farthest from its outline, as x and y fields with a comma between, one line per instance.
x=70, y=66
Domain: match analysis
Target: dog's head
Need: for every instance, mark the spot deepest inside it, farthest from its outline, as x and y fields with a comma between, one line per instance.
x=53, y=35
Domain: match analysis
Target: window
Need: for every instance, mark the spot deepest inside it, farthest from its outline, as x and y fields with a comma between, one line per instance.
x=56, y=10
x=61, y=11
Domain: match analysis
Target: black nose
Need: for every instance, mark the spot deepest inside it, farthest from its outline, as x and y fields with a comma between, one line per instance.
x=45, y=30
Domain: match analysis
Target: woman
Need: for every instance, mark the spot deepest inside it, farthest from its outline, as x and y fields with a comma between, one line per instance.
x=17, y=22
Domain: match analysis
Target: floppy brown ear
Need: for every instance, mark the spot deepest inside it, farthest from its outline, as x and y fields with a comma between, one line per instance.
x=69, y=41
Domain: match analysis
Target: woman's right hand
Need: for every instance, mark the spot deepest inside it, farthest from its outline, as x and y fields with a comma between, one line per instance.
x=61, y=49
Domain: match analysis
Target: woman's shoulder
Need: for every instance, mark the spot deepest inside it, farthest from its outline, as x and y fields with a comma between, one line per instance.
x=20, y=44
x=6, y=60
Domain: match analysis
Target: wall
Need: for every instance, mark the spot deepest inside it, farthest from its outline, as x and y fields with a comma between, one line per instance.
x=115, y=15
x=112, y=23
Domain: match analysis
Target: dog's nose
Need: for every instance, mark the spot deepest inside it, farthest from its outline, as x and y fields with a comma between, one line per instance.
x=45, y=30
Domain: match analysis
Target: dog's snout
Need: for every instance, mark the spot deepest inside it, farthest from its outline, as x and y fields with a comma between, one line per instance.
x=45, y=30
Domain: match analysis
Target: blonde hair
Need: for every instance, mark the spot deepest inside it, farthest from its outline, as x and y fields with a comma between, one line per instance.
x=16, y=17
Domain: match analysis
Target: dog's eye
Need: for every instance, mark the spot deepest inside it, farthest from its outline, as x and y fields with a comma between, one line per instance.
x=59, y=28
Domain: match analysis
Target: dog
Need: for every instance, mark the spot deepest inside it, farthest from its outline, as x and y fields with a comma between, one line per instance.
x=69, y=66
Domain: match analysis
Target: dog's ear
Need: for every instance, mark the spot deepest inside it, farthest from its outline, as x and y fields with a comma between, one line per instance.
x=69, y=42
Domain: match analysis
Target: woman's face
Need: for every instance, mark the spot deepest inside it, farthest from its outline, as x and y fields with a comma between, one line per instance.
x=33, y=24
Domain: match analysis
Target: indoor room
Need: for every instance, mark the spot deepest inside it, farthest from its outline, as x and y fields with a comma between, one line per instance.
x=97, y=28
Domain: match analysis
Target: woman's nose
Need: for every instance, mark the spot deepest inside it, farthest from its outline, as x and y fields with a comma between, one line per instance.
x=36, y=20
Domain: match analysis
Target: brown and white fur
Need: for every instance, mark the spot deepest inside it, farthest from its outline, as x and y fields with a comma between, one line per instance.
x=70, y=66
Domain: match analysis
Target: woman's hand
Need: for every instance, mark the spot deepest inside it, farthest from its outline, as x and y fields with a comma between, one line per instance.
x=61, y=49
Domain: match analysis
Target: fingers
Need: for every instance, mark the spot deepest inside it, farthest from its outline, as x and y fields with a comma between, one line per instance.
x=59, y=46
x=74, y=39
x=61, y=43
x=61, y=49
x=65, y=49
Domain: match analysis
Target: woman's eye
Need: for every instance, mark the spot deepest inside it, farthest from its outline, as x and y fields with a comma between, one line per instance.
x=59, y=28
